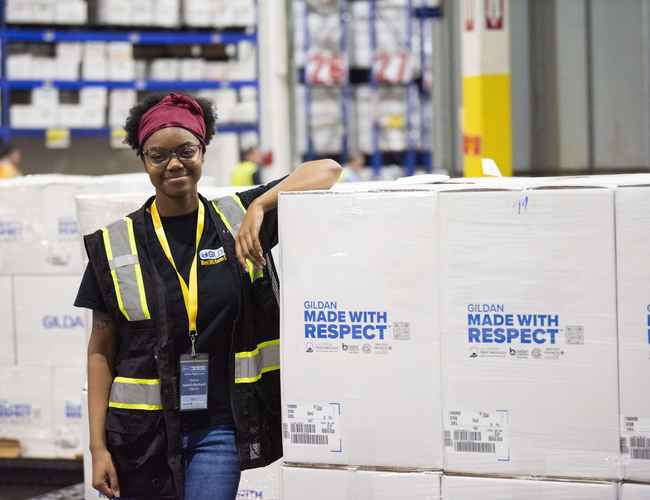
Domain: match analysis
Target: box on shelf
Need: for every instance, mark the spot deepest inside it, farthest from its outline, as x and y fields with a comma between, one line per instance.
x=93, y=97
x=71, y=12
x=94, y=62
x=142, y=12
x=299, y=483
x=23, y=116
x=192, y=69
x=120, y=102
x=371, y=352
x=70, y=116
x=198, y=13
x=633, y=245
x=26, y=409
x=470, y=488
x=529, y=351
x=7, y=332
x=19, y=66
x=166, y=13
x=164, y=69
x=262, y=484
x=49, y=329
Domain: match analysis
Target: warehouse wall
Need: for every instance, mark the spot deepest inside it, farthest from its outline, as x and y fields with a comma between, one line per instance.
x=588, y=87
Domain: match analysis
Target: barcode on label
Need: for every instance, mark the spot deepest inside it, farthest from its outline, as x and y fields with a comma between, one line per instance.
x=624, y=448
x=467, y=436
x=448, y=441
x=641, y=453
x=474, y=447
x=639, y=442
x=303, y=428
x=314, y=439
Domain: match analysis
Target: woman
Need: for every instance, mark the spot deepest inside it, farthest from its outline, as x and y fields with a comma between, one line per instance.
x=183, y=358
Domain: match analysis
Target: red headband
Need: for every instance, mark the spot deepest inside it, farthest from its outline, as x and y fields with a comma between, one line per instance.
x=174, y=110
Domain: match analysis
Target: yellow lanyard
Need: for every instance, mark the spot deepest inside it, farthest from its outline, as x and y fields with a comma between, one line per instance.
x=191, y=293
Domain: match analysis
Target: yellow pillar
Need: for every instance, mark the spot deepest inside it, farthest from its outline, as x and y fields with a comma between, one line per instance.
x=487, y=129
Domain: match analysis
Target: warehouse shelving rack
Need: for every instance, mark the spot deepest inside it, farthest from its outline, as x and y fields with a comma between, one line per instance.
x=412, y=156
x=178, y=36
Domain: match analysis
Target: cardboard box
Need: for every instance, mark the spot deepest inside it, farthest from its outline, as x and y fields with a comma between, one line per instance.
x=164, y=69
x=528, y=314
x=630, y=491
x=50, y=331
x=71, y=12
x=470, y=488
x=26, y=409
x=633, y=271
x=340, y=483
x=260, y=484
x=167, y=13
x=67, y=411
x=360, y=355
x=7, y=332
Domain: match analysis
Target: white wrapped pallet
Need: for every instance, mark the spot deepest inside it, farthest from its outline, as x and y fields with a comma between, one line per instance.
x=529, y=356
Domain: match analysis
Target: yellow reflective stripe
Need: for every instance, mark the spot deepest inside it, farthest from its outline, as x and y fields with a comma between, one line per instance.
x=248, y=380
x=256, y=351
x=116, y=285
x=138, y=271
x=238, y=201
x=133, y=406
x=144, y=381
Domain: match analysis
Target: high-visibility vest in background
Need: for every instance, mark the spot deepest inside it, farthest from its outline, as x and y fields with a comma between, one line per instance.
x=243, y=174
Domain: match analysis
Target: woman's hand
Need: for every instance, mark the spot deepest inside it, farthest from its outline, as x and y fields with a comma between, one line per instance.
x=104, y=474
x=247, y=243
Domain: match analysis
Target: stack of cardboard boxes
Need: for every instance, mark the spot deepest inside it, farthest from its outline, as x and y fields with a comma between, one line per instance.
x=47, y=11
x=476, y=331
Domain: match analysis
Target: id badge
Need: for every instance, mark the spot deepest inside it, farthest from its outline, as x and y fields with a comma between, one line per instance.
x=194, y=382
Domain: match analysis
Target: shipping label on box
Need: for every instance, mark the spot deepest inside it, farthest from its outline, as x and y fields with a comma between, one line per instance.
x=352, y=324
x=529, y=332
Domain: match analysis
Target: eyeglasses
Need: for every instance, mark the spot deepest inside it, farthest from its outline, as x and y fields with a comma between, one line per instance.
x=160, y=158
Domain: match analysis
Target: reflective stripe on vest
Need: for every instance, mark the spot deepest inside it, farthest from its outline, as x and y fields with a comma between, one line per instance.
x=135, y=394
x=232, y=213
x=251, y=365
x=122, y=254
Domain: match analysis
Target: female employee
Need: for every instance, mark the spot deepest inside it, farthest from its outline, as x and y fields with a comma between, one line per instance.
x=183, y=359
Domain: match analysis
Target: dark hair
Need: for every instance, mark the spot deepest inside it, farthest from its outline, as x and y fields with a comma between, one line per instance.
x=6, y=148
x=136, y=112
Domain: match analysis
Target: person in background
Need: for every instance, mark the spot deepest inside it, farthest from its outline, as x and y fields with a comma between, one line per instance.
x=183, y=356
x=248, y=171
x=353, y=169
x=10, y=157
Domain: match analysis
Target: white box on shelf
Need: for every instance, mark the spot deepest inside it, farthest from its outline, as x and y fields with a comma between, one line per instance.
x=49, y=329
x=71, y=12
x=26, y=409
x=121, y=70
x=69, y=116
x=470, y=488
x=7, y=332
x=372, y=352
x=633, y=245
x=537, y=317
x=299, y=483
x=167, y=13
x=142, y=12
x=200, y=13
x=43, y=68
x=23, y=116
x=192, y=69
x=164, y=69
x=19, y=66
x=66, y=411
x=630, y=491
x=46, y=116
x=92, y=117
x=93, y=97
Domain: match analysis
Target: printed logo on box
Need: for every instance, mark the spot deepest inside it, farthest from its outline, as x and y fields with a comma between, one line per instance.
x=72, y=410
x=68, y=227
x=330, y=328
x=492, y=331
x=648, y=310
x=10, y=230
x=62, y=322
x=250, y=494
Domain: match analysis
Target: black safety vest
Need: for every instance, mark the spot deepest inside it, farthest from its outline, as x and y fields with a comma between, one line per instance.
x=143, y=420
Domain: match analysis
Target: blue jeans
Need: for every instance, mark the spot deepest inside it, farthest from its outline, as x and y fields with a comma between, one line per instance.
x=211, y=464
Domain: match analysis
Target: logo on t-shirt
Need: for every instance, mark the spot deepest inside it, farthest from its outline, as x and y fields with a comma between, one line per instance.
x=210, y=257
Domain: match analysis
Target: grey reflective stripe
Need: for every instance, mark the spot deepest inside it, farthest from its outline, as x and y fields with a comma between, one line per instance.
x=250, y=366
x=125, y=267
x=135, y=396
x=123, y=260
x=232, y=211
x=274, y=279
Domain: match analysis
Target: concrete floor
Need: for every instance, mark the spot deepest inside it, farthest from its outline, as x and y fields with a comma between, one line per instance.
x=23, y=492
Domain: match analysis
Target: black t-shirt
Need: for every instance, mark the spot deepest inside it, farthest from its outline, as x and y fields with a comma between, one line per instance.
x=218, y=293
